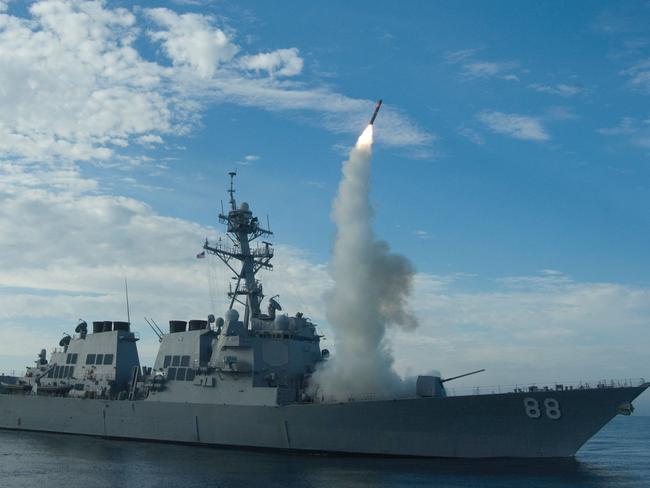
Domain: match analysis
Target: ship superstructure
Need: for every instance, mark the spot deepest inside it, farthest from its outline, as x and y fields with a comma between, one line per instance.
x=243, y=381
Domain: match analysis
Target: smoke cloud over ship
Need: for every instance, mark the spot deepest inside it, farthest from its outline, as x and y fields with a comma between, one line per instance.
x=370, y=294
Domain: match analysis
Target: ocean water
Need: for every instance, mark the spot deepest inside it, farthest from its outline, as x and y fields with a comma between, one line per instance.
x=618, y=456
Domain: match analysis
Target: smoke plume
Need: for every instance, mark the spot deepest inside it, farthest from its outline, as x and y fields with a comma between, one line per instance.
x=370, y=294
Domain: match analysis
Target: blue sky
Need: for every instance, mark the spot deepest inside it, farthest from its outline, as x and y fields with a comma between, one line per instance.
x=571, y=198
x=511, y=163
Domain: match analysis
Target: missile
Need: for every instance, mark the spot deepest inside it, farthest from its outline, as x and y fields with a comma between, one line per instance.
x=374, y=115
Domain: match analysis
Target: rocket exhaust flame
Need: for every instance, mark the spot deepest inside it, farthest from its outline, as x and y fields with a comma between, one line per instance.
x=370, y=293
x=365, y=139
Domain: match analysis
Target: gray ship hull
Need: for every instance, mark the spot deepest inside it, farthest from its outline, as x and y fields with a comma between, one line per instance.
x=480, y=426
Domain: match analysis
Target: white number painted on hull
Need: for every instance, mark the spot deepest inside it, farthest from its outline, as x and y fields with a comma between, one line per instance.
x=532, y=408
x=551, y=408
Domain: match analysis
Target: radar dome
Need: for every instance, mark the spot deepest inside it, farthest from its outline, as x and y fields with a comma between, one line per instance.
x=232, y=315
x=244, y=206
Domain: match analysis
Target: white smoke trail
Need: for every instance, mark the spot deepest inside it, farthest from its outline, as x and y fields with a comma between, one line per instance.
x=371, y=288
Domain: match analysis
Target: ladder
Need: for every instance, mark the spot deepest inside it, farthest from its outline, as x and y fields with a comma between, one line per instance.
x=135, y=375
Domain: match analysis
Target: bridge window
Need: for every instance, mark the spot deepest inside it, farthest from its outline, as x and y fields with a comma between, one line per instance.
x=59, y=372
x=90, y=359
x=180, y=374
x=171, y=374
x=50, y=373
x=108, y=359
x=190, y=375
x=176, y=361
x=68, y=359
x=100, y=359
x=168, y=361
x=185, y=361
x=73, y=359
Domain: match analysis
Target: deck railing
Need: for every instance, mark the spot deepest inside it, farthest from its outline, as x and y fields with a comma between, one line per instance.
x=497, y=389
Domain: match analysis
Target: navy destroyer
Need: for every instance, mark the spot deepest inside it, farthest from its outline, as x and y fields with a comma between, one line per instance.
x=244, y=381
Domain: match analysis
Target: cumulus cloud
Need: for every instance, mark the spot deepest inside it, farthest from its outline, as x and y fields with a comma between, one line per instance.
x=191, y=40
x=74, y=84
x=514, y=125
x=282, y=62
x=66, y=250
x=560, y=89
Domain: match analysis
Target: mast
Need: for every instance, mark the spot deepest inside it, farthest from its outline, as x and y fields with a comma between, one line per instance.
x=242, y=229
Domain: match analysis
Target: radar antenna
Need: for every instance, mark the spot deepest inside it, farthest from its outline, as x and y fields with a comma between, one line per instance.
x=233, y=205
x=242, y=229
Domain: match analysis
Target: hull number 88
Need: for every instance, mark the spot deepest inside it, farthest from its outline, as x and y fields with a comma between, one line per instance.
x=550, y=407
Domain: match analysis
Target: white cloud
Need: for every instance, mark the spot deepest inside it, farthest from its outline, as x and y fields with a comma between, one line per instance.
x=66, y=250
x=627, y=125
x=561, y=89
x=639, y=75
x=248, y=159
x=539, y=328
x=472, y=68
x=74, y=85
x=471, y=135
x=637, y=132
x=454, y=57
x=233, y=83
x=150, y=139
x=282, y=62
x=191, y=40
x=514, y=125
x=488, y=69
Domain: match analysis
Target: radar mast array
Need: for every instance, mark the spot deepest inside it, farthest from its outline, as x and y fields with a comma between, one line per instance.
x=242, y=229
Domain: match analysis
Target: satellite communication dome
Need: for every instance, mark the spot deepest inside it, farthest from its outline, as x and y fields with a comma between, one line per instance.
x=244, y=206
x=232, y=315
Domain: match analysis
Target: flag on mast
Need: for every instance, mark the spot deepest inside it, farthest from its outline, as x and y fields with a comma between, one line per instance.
x=201, y=255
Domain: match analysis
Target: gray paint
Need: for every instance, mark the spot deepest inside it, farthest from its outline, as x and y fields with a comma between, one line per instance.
x=468, y=426
x=246, y=383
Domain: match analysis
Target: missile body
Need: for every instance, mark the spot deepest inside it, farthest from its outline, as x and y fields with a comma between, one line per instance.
x=374, y=115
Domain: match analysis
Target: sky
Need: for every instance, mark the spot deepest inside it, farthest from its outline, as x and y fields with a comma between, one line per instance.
x=511, y=165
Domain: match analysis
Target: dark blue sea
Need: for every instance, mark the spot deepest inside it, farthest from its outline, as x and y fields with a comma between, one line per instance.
x=619, y=456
